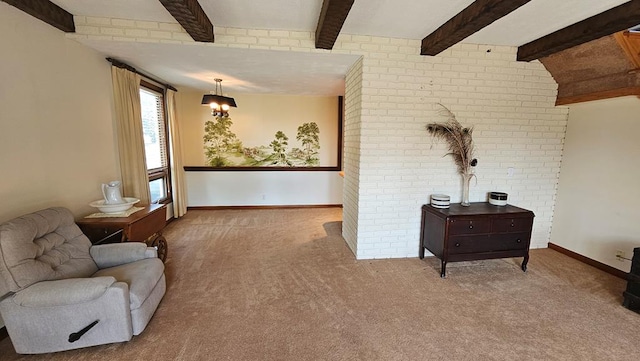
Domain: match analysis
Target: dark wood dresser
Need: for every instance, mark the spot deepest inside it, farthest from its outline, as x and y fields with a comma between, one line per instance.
x=632, y=294
x=480, y=231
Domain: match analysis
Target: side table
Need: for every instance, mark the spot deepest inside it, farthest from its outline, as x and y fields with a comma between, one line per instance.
x=142, y=226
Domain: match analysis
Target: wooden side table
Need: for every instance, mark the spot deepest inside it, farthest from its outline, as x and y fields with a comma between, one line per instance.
x=142, y=226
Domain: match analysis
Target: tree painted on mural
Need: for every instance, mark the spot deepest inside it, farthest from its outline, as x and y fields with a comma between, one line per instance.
x=218, y=140
x=279, y=146
x=224, y=149
x=309, y=135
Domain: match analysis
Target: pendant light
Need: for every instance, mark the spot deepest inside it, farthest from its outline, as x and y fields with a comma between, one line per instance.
x=219, y=103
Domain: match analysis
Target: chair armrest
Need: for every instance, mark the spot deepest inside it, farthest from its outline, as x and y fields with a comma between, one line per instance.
x=63, y=292
x=115, y=254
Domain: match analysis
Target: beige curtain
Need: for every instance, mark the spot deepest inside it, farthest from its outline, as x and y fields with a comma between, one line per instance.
x=133, y=169
x=177, y=165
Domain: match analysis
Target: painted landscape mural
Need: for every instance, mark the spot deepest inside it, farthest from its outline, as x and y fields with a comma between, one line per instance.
x=222, y=148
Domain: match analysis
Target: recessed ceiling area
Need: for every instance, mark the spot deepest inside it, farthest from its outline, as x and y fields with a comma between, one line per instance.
x=242, y=70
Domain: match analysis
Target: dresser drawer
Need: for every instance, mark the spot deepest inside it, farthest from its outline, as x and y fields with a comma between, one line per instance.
x=469, y=226
x=488, y=243
x=502, y=225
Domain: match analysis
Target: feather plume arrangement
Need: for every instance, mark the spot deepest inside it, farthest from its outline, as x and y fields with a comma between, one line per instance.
x=458, y=139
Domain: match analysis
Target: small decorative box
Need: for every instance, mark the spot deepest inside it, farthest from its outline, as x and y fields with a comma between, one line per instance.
x=440, y=200
x=498, y=198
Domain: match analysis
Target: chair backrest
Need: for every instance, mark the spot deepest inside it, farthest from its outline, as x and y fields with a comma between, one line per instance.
x=41, y=246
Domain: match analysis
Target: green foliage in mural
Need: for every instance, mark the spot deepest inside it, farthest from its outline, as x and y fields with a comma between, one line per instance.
x=279, y=146
x=218, y=140
x=224, y=149
x=309, y=135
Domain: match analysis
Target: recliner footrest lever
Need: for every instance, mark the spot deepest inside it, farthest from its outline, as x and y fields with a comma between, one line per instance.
x=76, y=335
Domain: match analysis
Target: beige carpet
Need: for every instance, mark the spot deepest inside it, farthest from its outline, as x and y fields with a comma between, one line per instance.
x=282, y=285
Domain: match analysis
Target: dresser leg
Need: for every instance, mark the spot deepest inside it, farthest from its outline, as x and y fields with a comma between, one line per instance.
x=443, y=269
x=524, y=263
x=421, y=253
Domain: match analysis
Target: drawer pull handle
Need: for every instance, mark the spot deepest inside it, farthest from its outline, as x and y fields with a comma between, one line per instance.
x=457, y=244
x=519, y=240
x=512, y=225
x=471, y=226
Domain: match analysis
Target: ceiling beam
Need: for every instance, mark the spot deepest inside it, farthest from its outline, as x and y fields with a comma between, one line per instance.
x=193, y=19
x=621, y=17
x=602, y=87
x=46, y=11
x=332, y=17
x=475, y=17
x=605, y=94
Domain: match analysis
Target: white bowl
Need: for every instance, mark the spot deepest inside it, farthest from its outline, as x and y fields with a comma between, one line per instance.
x=114, y=208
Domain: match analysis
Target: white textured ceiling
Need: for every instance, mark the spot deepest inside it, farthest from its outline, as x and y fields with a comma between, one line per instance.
x=196, y=67
x=410, y=19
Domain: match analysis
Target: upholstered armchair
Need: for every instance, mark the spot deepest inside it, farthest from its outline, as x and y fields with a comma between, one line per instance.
x=63, y=293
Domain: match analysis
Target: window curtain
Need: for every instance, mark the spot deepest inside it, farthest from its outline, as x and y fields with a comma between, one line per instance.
x=133, y=169
x=177, y=165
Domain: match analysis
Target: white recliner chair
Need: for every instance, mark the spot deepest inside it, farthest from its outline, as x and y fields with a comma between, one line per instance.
x=62, y=293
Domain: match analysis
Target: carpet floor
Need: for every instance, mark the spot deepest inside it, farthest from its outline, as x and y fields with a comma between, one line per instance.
x=283, y=285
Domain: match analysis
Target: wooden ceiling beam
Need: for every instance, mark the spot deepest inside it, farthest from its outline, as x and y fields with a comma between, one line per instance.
x=193, y=19
x=599, y=95
x=332, y=17
x=604, y=87
x=475, y=17
x=46, y=11
x=621, y=17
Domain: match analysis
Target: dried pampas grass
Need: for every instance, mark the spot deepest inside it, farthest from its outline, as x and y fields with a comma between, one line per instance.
x=458, y=139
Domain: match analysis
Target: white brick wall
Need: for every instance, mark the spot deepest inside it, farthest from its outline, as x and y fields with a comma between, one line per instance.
x=351, y=154
x=391, y=164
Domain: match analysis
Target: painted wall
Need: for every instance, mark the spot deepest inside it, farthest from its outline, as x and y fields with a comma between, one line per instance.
x=263, y=188
x=56, y=138
x=596, y=211
x=255, y=122
x=395, y=164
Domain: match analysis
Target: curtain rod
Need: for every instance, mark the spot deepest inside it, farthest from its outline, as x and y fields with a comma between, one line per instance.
x=119, y=64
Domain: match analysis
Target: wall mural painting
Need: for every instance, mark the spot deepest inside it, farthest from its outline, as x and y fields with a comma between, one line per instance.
x=222, y=147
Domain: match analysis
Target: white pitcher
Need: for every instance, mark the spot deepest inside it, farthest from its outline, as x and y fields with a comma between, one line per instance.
x=112, y=193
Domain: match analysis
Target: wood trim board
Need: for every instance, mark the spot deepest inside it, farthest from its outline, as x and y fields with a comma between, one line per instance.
x=591, y=262
x=215, y=208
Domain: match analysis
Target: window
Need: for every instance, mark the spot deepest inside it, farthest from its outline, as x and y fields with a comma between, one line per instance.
x=154, y=130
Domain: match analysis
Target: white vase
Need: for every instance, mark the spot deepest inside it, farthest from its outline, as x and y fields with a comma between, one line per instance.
x=466, y=179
